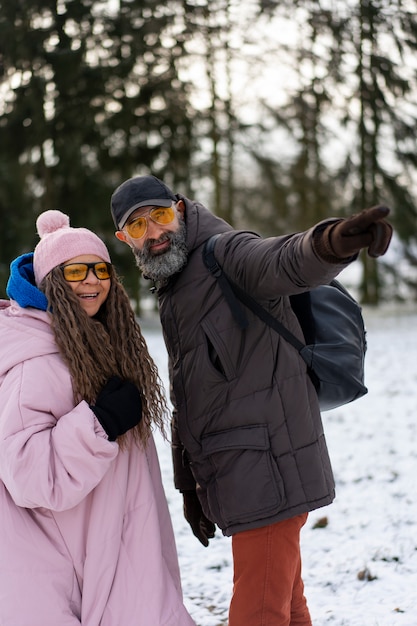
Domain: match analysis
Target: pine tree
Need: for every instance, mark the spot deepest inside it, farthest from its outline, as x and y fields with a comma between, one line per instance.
x=90, y=98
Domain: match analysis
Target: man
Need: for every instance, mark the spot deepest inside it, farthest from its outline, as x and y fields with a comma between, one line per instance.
x=248, y=445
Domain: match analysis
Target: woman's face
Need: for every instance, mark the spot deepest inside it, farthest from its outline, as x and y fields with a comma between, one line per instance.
x=92, y=291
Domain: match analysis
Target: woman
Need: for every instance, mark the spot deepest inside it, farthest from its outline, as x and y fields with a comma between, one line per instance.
x=86, y=536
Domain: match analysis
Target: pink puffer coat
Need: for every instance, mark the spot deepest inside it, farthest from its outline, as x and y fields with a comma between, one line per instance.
x=85, y=532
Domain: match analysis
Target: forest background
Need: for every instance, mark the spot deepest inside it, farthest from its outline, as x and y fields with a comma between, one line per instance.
x=274, y=113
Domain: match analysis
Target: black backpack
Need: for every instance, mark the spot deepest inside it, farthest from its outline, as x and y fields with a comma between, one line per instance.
x=333, y=328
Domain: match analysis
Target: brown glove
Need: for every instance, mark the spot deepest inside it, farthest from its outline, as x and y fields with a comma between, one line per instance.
x=367, y=229
x=201, y=526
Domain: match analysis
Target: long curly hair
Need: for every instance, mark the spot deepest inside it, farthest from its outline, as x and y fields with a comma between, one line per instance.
x=110, y=343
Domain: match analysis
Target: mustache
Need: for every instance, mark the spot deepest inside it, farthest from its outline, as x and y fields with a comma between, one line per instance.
x=151, y=242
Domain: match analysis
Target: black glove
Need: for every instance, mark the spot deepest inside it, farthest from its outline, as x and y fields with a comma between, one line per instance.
x=367, y=229
x=118, y=407
x=202, y=527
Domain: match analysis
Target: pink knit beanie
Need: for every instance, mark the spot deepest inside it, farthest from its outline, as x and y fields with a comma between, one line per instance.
x=60, y=243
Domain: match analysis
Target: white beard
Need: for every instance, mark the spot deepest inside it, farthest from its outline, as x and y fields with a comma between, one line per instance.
x=161, y=266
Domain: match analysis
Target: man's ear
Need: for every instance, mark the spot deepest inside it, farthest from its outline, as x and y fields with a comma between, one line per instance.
x=121, y=236
x=180, y=206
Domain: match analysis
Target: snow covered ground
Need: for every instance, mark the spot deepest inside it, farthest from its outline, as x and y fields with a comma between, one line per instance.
x=360, y=563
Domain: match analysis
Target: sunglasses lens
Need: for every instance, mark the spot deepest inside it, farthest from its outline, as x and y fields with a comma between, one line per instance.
x=102, y=271
x=137, y=228
x=163, y=215
x=75, y=272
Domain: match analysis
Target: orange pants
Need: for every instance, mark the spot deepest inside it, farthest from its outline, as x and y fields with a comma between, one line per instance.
x=267, y=586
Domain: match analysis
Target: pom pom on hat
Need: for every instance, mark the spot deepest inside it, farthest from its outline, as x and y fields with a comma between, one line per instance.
x=59, y=243
x=50, y=221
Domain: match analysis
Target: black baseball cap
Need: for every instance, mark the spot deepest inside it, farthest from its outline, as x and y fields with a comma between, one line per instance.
x=136, y=192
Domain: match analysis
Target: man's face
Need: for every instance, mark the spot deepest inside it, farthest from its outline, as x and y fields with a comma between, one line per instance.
x=161, y=251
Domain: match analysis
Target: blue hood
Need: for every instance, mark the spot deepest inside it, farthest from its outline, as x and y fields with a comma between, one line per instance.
x=21, y=285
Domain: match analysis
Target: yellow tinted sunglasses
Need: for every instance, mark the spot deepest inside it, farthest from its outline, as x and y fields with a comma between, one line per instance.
x=76, y=272
x=160, y=215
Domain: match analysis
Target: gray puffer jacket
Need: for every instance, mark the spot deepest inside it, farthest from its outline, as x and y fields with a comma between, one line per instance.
x=247, y=428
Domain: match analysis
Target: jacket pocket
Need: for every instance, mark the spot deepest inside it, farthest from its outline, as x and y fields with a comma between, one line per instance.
x=246, y=484
x=217, y=351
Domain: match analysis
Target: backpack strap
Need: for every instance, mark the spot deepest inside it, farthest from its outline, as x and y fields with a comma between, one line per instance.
x=211, y=263
x=232, y=292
